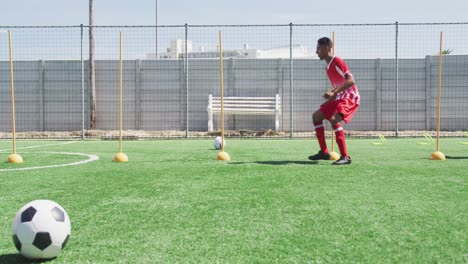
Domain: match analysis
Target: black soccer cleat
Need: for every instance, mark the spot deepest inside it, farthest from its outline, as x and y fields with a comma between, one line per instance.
x=343, y=161
x=320, y=156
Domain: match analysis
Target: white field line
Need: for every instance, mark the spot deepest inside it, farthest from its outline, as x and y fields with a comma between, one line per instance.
x=91, y=158
x=40, y=146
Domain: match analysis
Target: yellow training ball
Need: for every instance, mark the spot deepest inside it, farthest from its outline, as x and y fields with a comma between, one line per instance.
x=334, y=156
x=15, y=158
x=223, y=156
x=120, y=157
x=437, y=156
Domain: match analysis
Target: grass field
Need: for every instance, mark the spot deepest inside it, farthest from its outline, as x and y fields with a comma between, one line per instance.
x=173, y=202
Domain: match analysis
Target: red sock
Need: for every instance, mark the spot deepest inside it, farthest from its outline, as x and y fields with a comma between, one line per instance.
x=320, y=132
x=340, y=139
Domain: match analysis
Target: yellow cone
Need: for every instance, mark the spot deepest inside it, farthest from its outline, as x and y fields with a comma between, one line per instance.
x=437, y=156
x=15, y=158
x=223, y=156
x=334, y=156
x=120, y=157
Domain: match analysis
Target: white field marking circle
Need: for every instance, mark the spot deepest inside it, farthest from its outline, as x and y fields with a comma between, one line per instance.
x=40, y=146
x=90, y=158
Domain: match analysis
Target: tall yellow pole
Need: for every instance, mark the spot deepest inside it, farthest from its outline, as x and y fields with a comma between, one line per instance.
x=221, y=79
x=120, y=157
x=333, y=154
x=333, y=132
x=12, y=94
x=222, y=155
x=439, y=93
x=120, y=94
x=13, y=158
x=439, y=155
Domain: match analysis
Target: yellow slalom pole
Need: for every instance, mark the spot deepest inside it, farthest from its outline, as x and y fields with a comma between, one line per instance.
x=222, y=155
x=221, y=80
x=333, y=154
x=437, y=155
x=120, y=157
x=120, y=94
x=13, y=158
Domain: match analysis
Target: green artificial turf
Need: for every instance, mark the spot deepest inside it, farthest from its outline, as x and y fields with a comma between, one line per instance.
x=173, y=202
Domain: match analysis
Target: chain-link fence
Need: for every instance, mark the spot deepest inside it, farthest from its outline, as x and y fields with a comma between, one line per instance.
x=65, y=87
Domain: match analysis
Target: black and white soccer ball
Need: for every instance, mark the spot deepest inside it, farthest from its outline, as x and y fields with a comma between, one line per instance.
x=41, y=229
x=217, y=142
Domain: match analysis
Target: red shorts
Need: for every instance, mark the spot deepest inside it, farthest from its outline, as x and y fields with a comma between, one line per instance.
x=344, y=106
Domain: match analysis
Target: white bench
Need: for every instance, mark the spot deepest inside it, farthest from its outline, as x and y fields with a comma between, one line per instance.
x=245, y=105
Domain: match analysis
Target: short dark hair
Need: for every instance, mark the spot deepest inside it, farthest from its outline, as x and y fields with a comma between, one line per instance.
x=325, y=42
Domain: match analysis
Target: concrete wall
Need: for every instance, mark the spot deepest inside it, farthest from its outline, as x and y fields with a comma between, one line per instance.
x=49, y=93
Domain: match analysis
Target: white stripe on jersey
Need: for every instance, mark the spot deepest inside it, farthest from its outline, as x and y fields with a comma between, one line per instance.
x=328, y=66
x=339, y=71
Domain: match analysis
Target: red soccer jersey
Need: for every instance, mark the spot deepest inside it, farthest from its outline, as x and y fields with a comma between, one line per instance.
x=337, y=71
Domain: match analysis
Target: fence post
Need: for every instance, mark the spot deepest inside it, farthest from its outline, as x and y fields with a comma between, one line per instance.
x=138, y=94
x=428, y=92
x=82, y=88
x=41, y=95
x=186, y=84
x=396, y=78
x=279, y=85
x=182, y=89
x=231, y=85
x=291, y=83
x=378, y=93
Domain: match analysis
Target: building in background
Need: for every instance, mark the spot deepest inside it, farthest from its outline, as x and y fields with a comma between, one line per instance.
x=177, y=51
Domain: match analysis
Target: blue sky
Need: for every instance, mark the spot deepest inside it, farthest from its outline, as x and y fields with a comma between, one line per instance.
x=176, y=12
x=43, y=43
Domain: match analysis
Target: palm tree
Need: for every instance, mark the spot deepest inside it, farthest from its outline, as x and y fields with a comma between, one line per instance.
x=447, y=51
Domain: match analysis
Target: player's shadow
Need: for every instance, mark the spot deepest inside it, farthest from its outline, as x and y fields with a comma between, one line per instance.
x=18, y=259
x=455, y=158
x=278, y=162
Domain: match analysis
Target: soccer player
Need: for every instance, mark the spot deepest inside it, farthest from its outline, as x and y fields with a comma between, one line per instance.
x=342, y=103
